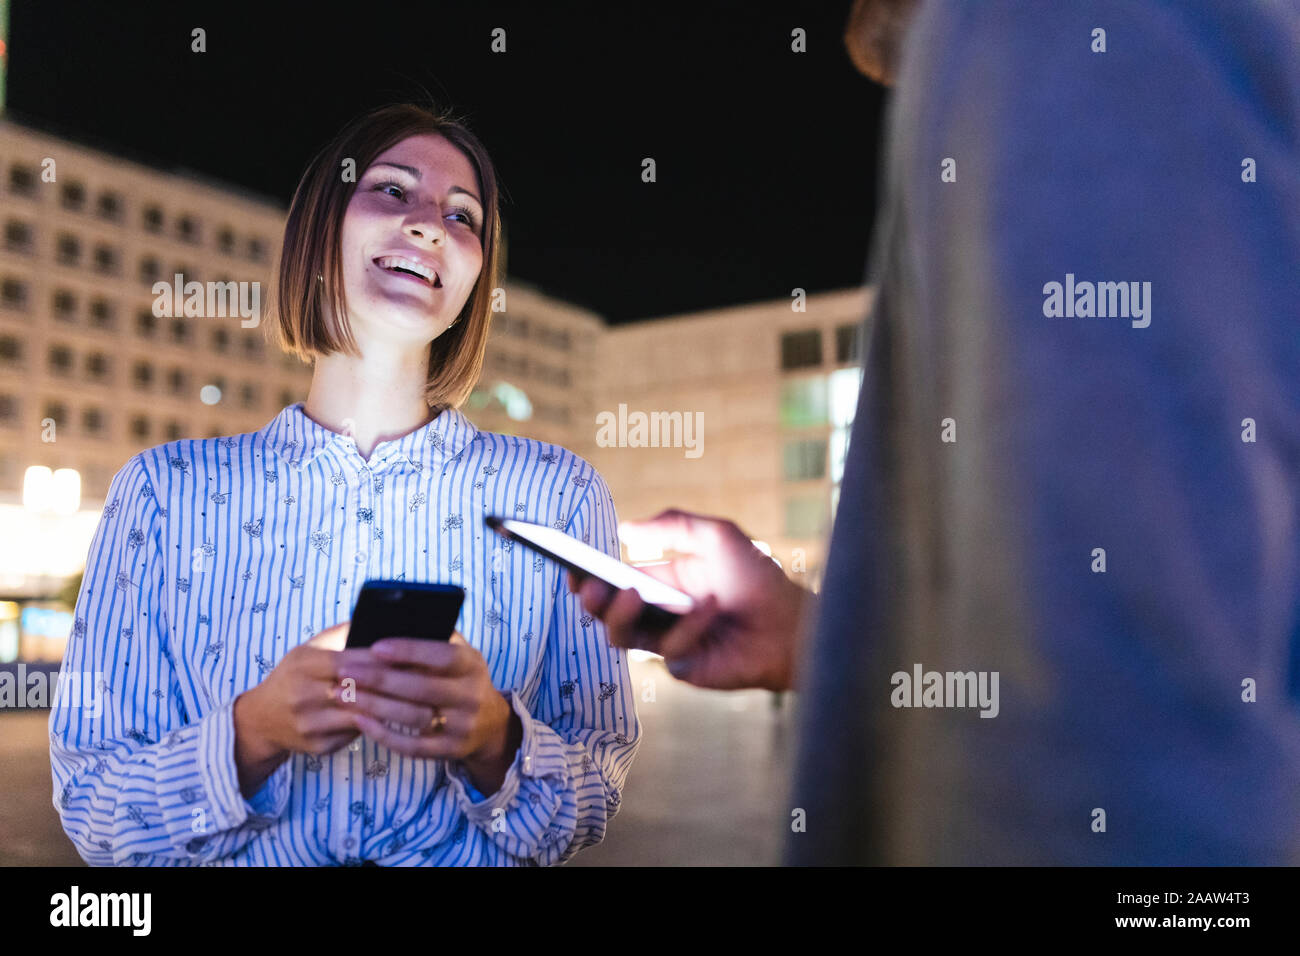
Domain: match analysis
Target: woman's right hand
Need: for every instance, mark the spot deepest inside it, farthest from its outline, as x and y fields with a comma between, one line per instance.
x=296, y=709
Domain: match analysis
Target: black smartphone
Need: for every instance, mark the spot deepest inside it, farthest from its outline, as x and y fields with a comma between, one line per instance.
x=664, y=603
x=404, y=609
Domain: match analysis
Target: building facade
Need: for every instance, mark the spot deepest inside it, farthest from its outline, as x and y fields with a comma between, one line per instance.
x=765, y=393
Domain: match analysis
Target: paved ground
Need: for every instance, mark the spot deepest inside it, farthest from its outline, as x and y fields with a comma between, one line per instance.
x=707, y=786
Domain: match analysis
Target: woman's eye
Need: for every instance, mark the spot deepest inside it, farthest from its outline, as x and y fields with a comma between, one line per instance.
x=469, y=216
x=383, y=186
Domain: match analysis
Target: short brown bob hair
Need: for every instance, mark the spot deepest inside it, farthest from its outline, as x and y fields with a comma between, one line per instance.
x=313, y=232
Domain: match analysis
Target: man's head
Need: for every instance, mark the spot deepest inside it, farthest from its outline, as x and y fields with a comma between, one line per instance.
x=874, y=36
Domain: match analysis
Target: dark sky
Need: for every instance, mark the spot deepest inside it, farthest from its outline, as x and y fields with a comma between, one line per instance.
x=766, y=158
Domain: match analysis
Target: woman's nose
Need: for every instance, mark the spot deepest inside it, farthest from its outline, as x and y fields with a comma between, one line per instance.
x=426, y=222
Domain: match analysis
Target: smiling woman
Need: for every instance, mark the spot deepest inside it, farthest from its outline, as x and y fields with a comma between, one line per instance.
x=216, y=596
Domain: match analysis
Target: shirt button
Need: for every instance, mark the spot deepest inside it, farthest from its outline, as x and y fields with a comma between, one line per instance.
x=361, y=557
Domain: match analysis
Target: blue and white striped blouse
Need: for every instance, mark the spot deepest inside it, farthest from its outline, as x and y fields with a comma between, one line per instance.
x=214, y=558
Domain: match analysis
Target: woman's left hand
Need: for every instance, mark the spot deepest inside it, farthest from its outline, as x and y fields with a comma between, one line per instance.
x=415, y=683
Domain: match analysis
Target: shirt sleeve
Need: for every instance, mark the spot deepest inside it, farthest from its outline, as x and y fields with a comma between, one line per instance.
x=136, y=781
x=581, y=731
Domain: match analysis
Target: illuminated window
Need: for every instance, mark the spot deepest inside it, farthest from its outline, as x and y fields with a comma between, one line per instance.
x=803, y=402
x=805, y=459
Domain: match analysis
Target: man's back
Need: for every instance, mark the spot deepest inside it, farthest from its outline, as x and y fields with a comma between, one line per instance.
x=1057, y=490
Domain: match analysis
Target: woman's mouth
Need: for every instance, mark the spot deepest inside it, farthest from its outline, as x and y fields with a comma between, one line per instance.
x=410, y=269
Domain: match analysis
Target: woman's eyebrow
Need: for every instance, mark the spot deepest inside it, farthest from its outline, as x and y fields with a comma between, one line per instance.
x=415, y=174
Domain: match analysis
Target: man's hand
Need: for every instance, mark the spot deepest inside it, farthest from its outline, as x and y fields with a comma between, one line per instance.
x=744, y=628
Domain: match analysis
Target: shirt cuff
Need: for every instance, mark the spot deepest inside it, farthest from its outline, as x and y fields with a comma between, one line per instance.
x=220, y=776
x=537, y=757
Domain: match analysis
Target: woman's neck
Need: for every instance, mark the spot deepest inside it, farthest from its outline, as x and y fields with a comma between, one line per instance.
x=375, y=399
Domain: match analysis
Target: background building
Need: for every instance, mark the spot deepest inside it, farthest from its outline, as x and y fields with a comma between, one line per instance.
x=777, y=390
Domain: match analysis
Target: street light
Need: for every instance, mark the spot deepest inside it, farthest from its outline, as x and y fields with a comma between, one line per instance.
x=51, y=491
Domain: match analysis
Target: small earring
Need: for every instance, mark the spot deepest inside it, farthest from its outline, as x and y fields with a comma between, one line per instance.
x=320, y=277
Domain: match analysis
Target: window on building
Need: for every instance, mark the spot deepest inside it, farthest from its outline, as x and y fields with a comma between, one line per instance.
x=178, y=381
x=13, y=294
x=844, y=385
x=22, y=180
x=253, y=348
x=140, y=427
x=248, y=395
x=226, y=240
x=187, y=229
x=553, y=338
x=103, y=315
x=68, y=250
x=150, y=270
x=175, y=431
x=847, y=344
x=801, y=349
x=152, y=219
x=9, y=413
x=805, y=459
x=110, y=206
x=60, y=359
x=803, y=402
x=180, y=331
x=806, y=516
x=286, y=398
x=98, y=366
x=56, y=411
x=146, y=324
x=106, y=260
x=220, y=340
x=142, y=375
x=65, y=305
x=11, y=349
x=257, y=250
x=92, y=421
x=74, y=196
x=18, y=236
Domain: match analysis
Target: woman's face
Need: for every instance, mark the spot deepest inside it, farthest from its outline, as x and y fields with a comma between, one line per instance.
x=419, y=202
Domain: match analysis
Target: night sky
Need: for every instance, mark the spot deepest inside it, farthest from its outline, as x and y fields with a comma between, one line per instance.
x=766, y=158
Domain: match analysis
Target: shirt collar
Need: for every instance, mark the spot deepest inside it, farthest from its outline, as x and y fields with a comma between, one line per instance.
x=298, y=440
